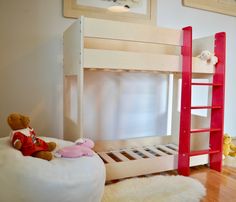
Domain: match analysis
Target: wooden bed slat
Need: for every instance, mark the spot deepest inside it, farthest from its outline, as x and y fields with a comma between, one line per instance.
x=173, y=146
x=159, y=152
x=167, y=149
x=107, y=158
x=146, y=153
x=134, y=155
x=136, y=32
x=120, y=156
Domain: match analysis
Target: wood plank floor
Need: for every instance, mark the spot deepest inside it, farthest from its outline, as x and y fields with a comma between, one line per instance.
x=221, y=187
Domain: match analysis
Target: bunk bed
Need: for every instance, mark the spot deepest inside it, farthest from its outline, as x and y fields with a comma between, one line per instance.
x=95, y=44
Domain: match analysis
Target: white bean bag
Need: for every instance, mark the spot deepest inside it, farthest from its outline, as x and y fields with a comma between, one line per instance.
x=28, y=179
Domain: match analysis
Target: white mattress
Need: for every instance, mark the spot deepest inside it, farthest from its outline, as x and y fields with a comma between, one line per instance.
x=28, y=179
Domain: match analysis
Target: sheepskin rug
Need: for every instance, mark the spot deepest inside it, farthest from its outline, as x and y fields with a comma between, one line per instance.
x=155, y=189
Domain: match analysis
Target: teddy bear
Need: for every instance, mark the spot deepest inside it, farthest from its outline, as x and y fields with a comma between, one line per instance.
x=207, y=57
x=82, y=147
x=23, y=138
x=229, y=149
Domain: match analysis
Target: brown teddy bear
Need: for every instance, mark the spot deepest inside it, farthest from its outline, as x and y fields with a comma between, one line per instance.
x=23, y=138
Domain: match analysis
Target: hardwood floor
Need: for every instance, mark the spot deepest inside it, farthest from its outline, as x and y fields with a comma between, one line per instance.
x=221, y=187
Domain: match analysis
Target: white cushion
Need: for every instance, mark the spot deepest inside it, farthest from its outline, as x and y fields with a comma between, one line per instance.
x=29, y=179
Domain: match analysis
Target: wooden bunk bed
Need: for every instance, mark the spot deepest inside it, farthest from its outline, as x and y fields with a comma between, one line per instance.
x=106, y=45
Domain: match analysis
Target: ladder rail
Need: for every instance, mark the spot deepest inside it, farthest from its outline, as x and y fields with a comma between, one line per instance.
x=217, y=116
x=185, y=115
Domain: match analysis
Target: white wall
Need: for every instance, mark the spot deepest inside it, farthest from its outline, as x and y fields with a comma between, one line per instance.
x=31, y=63
x=31, y=57
x=171, y=13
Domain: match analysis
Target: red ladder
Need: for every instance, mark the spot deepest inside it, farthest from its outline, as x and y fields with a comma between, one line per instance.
x=217, y=107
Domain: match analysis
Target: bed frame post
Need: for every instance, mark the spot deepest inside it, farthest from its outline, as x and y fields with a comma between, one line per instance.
x=185, y=115
x=73, y=48
x=217, y=116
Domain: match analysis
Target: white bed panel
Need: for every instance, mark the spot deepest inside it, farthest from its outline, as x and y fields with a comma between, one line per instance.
x=107, y=59
x=136, y=32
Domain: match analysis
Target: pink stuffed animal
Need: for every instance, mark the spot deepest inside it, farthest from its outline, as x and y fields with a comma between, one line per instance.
x=82, y=147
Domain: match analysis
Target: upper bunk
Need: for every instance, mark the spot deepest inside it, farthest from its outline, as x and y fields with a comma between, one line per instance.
x=91, y=43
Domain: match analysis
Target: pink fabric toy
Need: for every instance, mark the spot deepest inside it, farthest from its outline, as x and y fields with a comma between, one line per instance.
x=82, y=147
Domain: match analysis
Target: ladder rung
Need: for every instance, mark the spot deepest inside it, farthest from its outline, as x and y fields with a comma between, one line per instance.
x=206, y=84
x=206, y=107
x=201, y=152
x=205, y=130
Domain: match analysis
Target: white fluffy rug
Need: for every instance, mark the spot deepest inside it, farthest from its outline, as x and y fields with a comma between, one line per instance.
x=155, y=189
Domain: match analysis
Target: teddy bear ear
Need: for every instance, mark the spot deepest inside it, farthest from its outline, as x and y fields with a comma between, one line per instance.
x=25, y=120
x=11, y=117
x=10, y=120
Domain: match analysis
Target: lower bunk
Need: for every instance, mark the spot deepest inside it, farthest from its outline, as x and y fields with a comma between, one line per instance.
x=141, y=156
